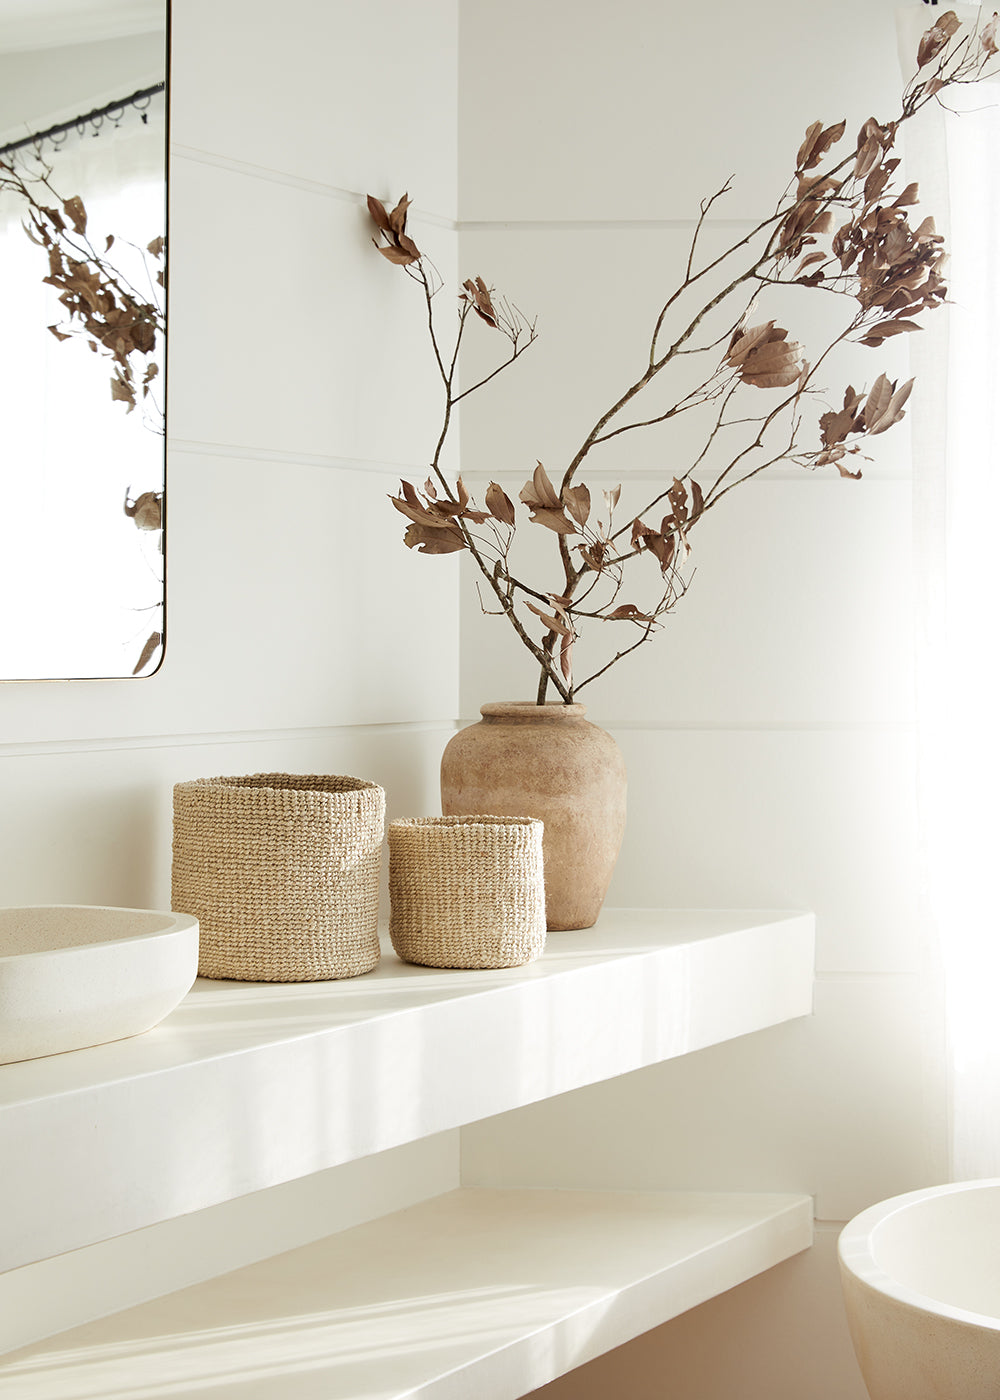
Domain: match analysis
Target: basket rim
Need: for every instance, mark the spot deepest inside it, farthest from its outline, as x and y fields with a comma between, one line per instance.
x=244, y=782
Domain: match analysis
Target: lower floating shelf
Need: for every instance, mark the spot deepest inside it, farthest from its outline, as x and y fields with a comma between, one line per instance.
x=479, y=1292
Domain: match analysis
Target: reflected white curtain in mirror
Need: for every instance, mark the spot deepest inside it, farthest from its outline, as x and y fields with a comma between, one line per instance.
x=82, y=585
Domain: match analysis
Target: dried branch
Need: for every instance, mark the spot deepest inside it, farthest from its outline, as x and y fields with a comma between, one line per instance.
x=840, y=227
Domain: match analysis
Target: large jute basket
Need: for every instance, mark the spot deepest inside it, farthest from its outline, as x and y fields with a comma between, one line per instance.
x=282, y=872
x=466, y=891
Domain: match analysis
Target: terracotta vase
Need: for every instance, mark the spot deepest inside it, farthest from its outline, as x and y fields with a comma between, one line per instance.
x=546, y=761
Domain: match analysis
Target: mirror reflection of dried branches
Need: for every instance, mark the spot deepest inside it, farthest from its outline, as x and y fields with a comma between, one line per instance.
x=82, y=337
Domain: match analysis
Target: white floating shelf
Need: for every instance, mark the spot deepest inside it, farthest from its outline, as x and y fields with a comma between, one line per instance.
x=477, y=1293
x=247, y=1085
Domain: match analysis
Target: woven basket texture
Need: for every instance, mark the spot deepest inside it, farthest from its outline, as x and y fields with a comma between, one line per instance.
x=466, y=891
x=281, y=870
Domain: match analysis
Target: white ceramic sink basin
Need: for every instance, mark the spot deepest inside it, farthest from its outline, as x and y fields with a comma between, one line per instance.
x=73, y=975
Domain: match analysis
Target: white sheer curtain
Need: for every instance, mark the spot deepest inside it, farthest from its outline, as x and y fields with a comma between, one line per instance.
x=956, y=451
x=81, y=585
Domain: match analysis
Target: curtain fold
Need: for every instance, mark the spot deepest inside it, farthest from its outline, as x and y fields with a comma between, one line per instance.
x=956, y=462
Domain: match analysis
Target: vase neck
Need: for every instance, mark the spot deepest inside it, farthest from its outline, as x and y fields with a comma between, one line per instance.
x=527, y=712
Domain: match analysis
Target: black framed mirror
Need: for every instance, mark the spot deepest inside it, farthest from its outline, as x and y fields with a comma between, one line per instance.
x=83, y=142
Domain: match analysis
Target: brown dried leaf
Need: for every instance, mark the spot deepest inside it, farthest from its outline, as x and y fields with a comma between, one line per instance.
x=552, y=520
x=628, y=612
x=477, y=294
x=122, y=391
x=664, y=548
x=146, y=510
x=577, y=501
x=698, y=500
x=399, y=256
x=879, y=333
x=809, y=260
x=149, y=647
x=893, y=410
x=155, y=247
x=499, y=504
x=773, y=363
x=844, y=471
x=544, y=490
x=434, y=541
x=59, y=335
x=76, y=213
x=867, y=157
x=640, y=532
x=816, y=144
x=439, y=519
x=988, y=35
x=743, y=342
x=566, y=657
x=378, y=212
x=397, y=219
x=937, y=37
x=878, y=400
x=554, y=624
x=594, y=555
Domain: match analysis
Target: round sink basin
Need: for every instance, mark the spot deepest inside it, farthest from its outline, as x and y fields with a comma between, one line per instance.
x=73, y=975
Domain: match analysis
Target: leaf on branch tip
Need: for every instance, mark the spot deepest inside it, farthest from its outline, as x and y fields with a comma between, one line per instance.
x=937, y=37
x=401, y=249
x=477, y=294
x=818, y=141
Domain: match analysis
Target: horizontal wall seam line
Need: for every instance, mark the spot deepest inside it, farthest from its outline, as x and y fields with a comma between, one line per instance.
x=596, y=225
x=238, y=452
x=863, y=975
x=297, y=182
x=51, y=747
x=627, y=475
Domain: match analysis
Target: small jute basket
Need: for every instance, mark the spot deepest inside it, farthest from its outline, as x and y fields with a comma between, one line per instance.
x=466, y=891
x=281, y=870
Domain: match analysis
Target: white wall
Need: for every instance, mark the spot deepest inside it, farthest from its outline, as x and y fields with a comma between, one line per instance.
x=769, y=730
x=292, y=644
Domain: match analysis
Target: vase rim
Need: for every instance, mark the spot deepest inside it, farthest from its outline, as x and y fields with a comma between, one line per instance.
x=528, y=709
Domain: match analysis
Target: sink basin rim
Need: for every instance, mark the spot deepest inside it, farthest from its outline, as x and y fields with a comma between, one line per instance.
x=175, y=923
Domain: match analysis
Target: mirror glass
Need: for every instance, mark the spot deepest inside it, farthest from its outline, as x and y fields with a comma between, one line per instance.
x=82, y=337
